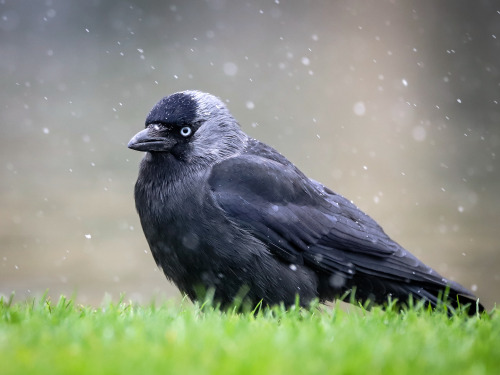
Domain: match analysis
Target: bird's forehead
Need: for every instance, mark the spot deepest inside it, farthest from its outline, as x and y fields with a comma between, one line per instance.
x=179, y=108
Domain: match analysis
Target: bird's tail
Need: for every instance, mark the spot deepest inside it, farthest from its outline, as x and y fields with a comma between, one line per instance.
x=451, y=296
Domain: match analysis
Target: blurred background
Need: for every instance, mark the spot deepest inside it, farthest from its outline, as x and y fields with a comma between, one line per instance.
x=393, y=104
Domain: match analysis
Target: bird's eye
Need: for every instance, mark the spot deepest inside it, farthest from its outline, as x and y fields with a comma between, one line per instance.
x=186, y=131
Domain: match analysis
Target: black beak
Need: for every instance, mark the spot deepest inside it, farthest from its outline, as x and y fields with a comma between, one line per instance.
x=143, y=141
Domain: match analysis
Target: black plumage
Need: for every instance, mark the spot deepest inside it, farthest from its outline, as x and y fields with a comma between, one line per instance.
x=224, y=212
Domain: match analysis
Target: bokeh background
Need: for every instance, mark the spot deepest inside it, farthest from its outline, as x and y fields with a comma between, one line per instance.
x=393, y=104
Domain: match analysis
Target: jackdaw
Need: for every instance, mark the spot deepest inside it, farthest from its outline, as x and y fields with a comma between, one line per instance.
x=225, y=213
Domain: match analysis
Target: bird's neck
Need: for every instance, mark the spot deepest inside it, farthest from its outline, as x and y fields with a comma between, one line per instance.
x=211, y=147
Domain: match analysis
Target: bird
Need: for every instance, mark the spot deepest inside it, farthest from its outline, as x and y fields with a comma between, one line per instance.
x=228, y=216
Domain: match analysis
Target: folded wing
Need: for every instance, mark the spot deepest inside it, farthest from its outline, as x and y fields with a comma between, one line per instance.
x=302, y=222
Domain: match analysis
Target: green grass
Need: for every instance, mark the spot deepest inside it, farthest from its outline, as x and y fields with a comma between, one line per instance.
x=63, y=338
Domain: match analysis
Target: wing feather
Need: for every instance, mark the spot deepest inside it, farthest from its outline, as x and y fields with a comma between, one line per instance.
x=296, y=217
x=303, y=222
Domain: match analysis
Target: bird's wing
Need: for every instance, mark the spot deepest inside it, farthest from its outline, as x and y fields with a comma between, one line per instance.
x=303, y=222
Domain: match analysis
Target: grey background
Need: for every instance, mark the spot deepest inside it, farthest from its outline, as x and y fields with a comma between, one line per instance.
x=393, y=104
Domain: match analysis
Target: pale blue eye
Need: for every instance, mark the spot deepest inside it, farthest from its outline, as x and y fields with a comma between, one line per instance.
x=186, y=131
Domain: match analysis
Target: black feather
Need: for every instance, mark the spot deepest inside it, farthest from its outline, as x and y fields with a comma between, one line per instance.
x=176, y=109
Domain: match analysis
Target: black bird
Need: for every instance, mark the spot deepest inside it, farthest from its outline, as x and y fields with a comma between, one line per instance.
x=224, y=212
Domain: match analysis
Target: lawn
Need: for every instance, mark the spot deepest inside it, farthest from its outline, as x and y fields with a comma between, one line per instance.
x=45, y=337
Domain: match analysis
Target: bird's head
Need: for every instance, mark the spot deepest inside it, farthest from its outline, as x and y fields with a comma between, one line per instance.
x=190, y=124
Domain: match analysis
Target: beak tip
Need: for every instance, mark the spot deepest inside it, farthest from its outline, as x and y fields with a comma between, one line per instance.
x=135, y=140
